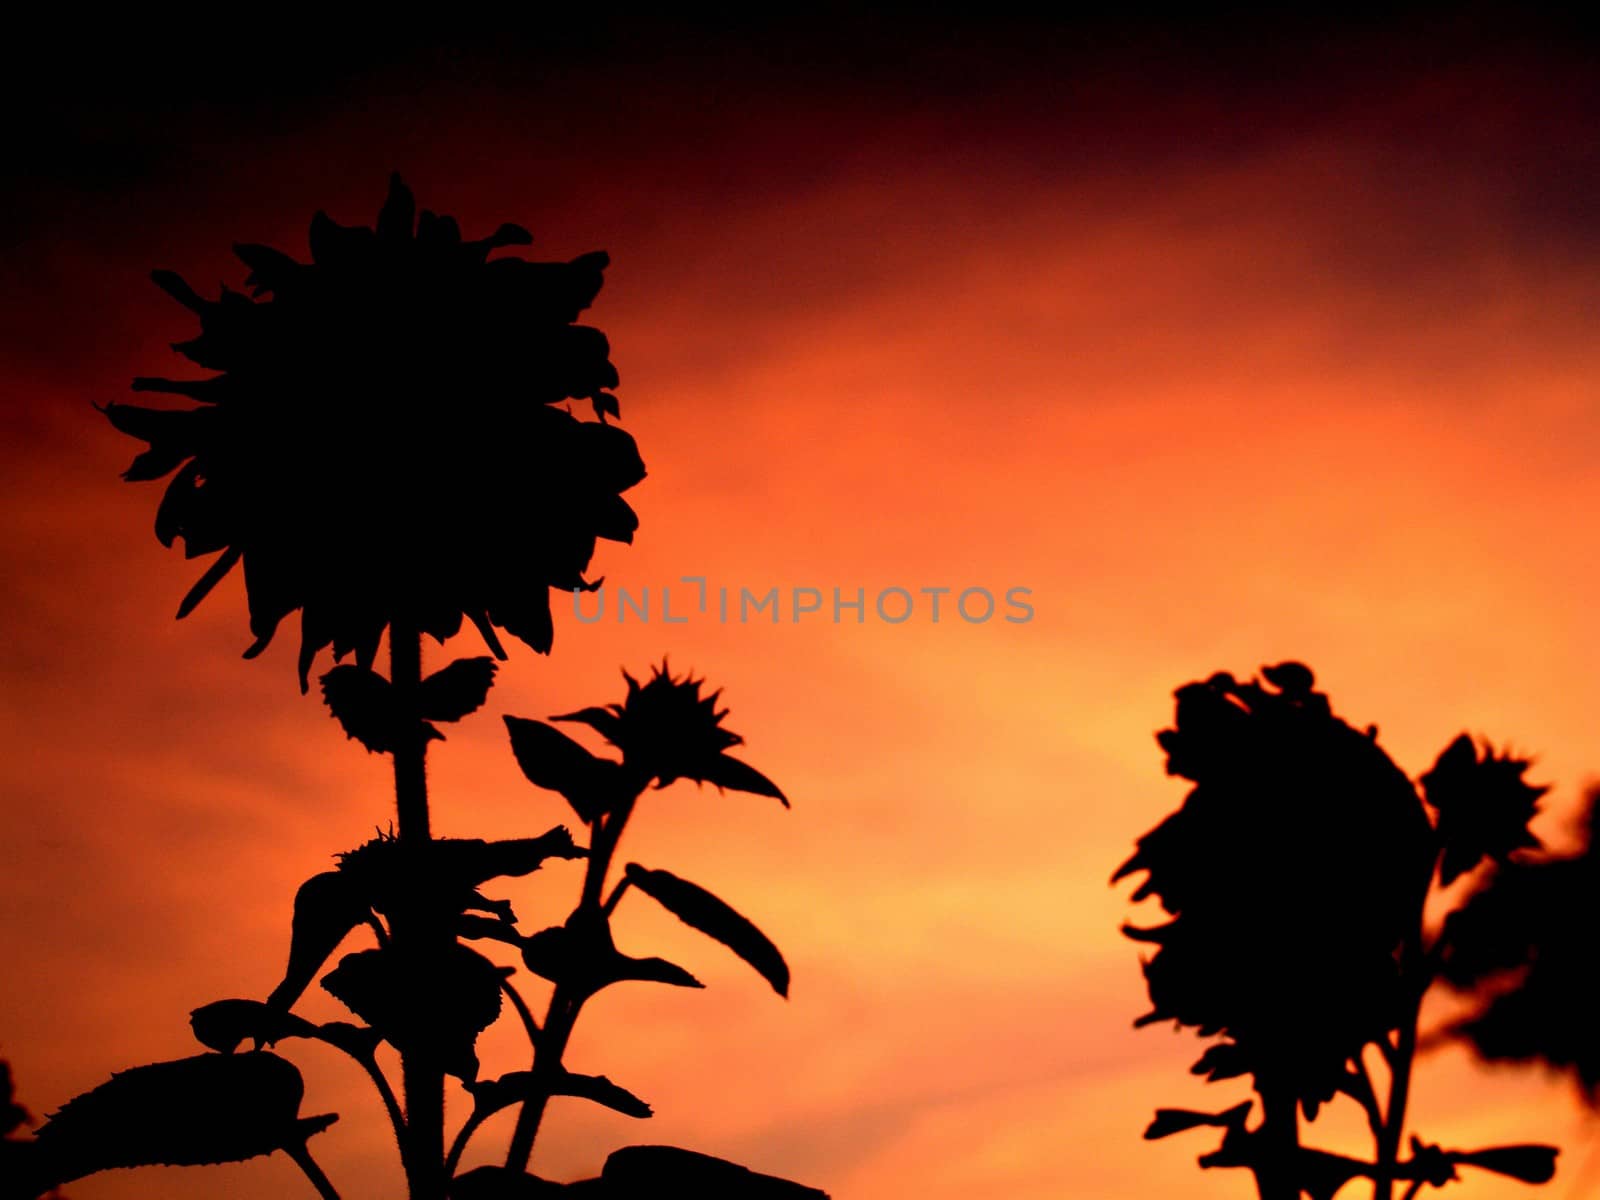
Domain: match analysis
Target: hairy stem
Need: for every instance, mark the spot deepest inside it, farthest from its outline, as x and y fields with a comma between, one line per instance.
x=415, y=931
x=1280, y=1138
x=459, y=1145
x=391, y=1105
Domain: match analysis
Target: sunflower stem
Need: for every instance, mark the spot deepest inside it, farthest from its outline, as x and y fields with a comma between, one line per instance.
x=1276, y=1170
x=564, y=1006
x=415, y=930
x=1416, y=970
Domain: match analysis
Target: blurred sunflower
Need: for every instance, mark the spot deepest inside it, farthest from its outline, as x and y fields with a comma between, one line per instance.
x=1484, y=806
x=1291, y=872
x=384, y=440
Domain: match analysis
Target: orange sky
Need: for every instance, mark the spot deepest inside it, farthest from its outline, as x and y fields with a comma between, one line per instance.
x=1224, y=374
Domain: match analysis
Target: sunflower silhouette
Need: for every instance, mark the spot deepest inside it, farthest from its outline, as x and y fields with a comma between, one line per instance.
x=1289, y=872
x=385, y=440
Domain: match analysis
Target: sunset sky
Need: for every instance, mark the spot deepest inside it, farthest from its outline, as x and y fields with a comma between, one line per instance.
x=1231, y=348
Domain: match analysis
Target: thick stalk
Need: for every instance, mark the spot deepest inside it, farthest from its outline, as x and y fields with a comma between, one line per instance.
x=564, y=1007
x=414, y=931
x=1279, y=1138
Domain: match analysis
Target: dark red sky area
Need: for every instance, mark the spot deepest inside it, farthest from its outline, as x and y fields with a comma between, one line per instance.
x=1234, y=341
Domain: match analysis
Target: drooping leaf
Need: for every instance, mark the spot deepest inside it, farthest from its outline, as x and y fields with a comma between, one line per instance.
x=604, y=721
x=1225, y=1060
x=699, y=909
x=454, y=691
x=223, y=1024
x=603, y=1092
x=1529, y=1163
x=649, y=1172
x=730, y=773
x=326, y=908
x=1169, y=1121
x=429, y=1003
x=583, y=958
x=490, y=1096
x=214, y=574
x=211, y=1108
x=552, y=760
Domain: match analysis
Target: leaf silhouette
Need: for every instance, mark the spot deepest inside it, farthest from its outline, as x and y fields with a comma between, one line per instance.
x=211, y=1108
x=457, y=690
x=326, y=908
x=699, y=909
x=1169, y=1121
x=442, y=876
x=584, y=959
x=490, y=1096
x=646, y=1172
x=223, y=1024
x=732, y=774
x=503, y=1183
x=1529, y=1163
x=552, y=760
x=433, y=1003
x=362, y=702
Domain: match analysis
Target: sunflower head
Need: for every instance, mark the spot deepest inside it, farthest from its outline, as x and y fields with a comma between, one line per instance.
x=1483, y=803
x=383, y=437
x=666, y=731
x=1288, y=874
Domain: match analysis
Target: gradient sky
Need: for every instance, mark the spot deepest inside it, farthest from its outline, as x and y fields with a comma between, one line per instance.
x=1230, y=350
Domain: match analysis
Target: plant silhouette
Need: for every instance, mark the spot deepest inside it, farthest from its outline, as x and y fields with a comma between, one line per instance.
x=1296, y=875
x=384, y=447
x=1523, y=949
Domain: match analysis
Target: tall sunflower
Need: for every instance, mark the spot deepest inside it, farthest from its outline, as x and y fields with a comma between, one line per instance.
x=384, y=437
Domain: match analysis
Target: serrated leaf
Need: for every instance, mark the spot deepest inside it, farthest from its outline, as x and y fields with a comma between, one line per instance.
x=211, y=1108
x=362, y=701
x=223, y=1024
x=552, y=760
x=442, y=876
x=326, y=908
x=457, y=690
x=433, y=1004
x=1529, y=1163
x=638, y=1172
x=701, y=910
